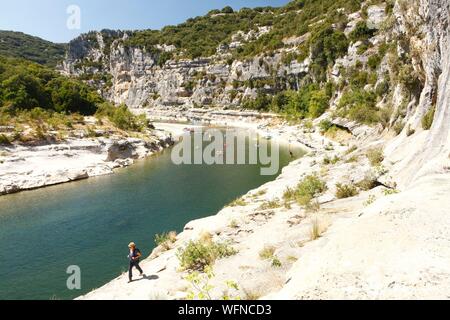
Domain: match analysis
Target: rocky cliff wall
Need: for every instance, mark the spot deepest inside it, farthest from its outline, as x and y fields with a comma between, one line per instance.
x=419, y=28
x=426, y=24
x=138, y=80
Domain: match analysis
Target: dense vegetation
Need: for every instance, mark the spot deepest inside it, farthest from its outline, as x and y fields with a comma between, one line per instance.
x=309, y=101
x=295, y=19
x=20, y=45
x=25, y=85
x=34, y=97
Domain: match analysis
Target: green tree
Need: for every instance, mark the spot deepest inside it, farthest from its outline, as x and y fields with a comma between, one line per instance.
x=24, y=91
x=327, y=45
x=361, y=32
x=318, y=103
x=72, y=96
x=227, y=9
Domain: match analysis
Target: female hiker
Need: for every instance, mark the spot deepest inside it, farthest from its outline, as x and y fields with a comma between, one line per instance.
x=134, y=256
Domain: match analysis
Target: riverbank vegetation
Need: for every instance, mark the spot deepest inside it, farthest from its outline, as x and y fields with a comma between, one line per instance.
x=200, y=254
x=37, y=103
x=166, y=239
x=25, y=85
x=309, y=101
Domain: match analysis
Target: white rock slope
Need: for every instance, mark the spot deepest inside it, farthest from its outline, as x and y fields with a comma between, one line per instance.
x=30, y=167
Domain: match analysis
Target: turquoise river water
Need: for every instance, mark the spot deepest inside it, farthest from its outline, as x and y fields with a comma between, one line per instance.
x=89, y=223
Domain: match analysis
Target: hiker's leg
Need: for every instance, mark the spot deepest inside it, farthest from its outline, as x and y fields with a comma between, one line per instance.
x=130, y=271
x=136, y=264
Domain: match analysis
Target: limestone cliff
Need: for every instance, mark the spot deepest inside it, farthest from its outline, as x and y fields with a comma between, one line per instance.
x=426, y=24
x=138, y=81
x=410, y=79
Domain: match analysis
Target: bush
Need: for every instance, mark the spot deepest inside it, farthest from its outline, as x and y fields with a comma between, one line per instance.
x=325, y=125
x=308, y=101
x=375, y=156
x=345, y=191
x=410, y=131
x=362, y=49
x=165, y=239
x=398, y=127
x=240, y=202
x=270, y=205
x=279, y=101
x=318, y=103
x=327, y=160
x=267, y=253
x=312, y=206
x=361, y=32
x=72, y=96
x=408, y=77
x=309, y=188
x=374, y=61
x=382, y=88
x=26, y=86
x=24, y=91
x=276, y=263
x=4, y=140
x=385, y=115
x=428, y=118
x=122, y=117
x=200, y=254
x=368, y=183
x=358, y=79
x=261, y=103
x=359, y=105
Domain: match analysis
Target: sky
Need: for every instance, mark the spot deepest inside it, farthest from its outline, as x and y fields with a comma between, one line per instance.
x=57, y=20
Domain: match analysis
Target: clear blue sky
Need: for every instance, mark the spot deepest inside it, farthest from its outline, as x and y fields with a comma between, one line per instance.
x=47, y=18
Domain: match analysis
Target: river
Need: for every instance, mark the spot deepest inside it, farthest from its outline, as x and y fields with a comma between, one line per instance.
x=89, y=223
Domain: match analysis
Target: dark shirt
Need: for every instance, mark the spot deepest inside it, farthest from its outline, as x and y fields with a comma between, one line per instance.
x=134, y=254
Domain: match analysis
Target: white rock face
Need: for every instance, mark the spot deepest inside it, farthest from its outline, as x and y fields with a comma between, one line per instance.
x=353, y=19
x=140, y=82
x=396, y=249
x=25, y=168
x=430, y=36
x=376, y=16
